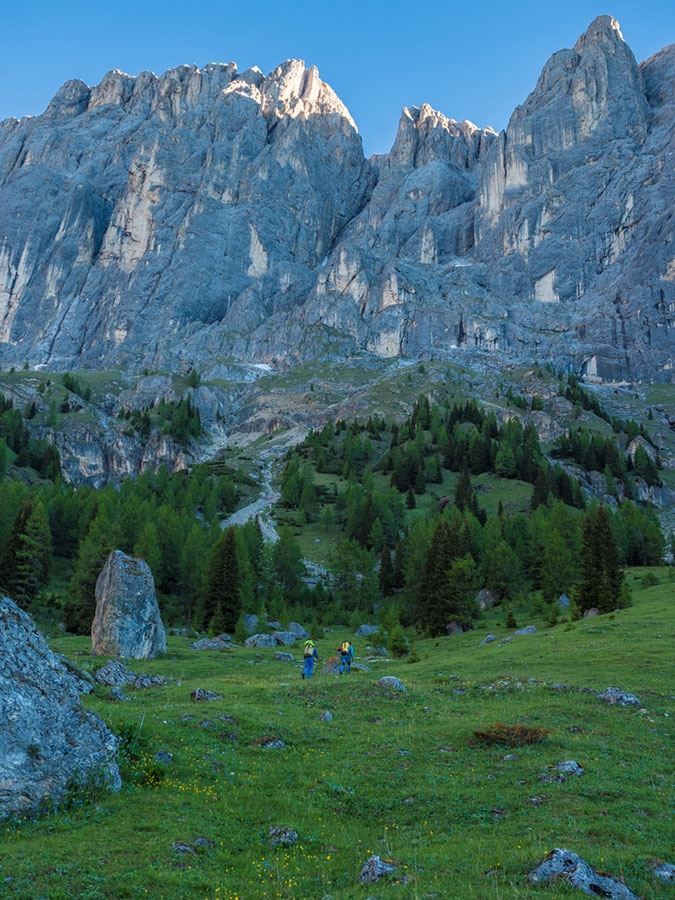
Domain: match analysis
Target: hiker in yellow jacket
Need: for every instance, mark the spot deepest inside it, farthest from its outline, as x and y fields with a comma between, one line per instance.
x=310, y=655
x=346, y=653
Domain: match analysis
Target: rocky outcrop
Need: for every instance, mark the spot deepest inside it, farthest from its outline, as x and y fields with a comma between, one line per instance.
x=173, y=211
x=127, y=621
x=210, y=214
x=49, y=745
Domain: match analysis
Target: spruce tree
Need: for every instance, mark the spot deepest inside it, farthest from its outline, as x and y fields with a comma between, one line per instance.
x=433, y=598
x=601, y=573
x=222, y=603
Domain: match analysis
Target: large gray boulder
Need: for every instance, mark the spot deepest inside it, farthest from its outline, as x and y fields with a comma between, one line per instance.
x=127, y=621
x=48, y=742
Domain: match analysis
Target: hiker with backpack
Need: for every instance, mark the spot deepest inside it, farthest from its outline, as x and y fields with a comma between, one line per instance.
x=346, y=653
x=310, y=655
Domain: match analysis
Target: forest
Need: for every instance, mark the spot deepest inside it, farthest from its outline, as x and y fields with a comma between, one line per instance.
x=400, y=505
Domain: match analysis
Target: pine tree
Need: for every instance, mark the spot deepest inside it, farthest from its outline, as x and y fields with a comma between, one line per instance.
x=433, y=598
x=463, y=493
x=28, y=555
x=601, y=573
x=386, y=572
x=222, y=605
x=93, y=551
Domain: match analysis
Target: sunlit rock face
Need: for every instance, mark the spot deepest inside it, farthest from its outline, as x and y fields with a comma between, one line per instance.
x=209, y=213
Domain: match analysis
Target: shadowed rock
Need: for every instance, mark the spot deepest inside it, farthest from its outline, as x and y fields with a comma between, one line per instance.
x=563, y=865
x=48, y=742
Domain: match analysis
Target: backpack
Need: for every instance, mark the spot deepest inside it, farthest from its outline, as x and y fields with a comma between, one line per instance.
x=309, y=650
x=345, y=647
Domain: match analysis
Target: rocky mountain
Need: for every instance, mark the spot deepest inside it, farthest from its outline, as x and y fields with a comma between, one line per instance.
x=209, y=215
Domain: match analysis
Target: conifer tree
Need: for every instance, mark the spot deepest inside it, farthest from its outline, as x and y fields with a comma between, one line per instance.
x=433, y=598
x=222, y=603
x=601, y=573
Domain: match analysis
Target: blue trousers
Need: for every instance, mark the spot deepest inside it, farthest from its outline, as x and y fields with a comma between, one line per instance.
x=309, y=667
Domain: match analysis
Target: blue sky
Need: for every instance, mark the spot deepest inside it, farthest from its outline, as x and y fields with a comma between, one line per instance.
x=470, y=60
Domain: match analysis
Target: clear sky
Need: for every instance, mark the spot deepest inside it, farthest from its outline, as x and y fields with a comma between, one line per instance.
x=469, y=60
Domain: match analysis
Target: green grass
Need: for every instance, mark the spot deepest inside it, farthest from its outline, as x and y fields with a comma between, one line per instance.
x=398, y=774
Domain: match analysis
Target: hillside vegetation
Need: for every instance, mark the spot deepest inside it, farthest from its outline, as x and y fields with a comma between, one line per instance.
x=529, y=485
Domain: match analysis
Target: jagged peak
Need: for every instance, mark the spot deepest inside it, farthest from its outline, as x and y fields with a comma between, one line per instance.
x=602, y=29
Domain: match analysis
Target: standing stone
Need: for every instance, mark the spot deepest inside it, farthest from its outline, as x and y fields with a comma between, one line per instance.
x=127, y=621
x=48, y=742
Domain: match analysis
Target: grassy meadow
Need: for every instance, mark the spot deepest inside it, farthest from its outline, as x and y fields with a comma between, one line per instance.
x=397, y=774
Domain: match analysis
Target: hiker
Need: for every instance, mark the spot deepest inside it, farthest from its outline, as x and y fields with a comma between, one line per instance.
x=310, y=655
x=346, y=652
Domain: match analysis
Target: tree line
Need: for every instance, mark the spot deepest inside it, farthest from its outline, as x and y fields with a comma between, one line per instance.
x=361, y=482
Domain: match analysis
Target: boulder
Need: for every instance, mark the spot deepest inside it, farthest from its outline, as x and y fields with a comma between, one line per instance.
x=250, y=623
x=48, y=742
x=260, y=640
x=366, y=630
x=485, y=599
x=298, y=630
x=222, y=642
x=528, y=629
x=488, y=639
x=127, y=621
x=391, y=683
x=616, y=695
x=285, y=637
x=562, y=865
x=201, y=695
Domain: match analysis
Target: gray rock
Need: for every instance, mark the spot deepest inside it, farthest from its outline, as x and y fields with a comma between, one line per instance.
x=561, y=864
x=563, y=601
x=222, y=642
x=488, y=639
x=250, y=623
x=260, y=640
x=298, y=630
x=282, y=836
x=199, y=695
x=375, y=868
x=113, y=674
x=280, y=656
x=366, y=630
x=616, y=695
x=127, y=621
x=326, y=716
x=569, y=767
x=485, y=599
x=165, y=757
x=528, y=629
x=390, y=682
x=287, y=638
x=665, y=872
x=47, y=740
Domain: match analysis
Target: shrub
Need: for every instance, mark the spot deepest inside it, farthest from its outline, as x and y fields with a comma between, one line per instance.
x=511, y=735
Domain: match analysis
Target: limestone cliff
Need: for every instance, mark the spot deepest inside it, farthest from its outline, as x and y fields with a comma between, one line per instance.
x=208, y=214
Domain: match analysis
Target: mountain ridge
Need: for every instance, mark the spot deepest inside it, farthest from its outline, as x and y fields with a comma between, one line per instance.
x=180, y=220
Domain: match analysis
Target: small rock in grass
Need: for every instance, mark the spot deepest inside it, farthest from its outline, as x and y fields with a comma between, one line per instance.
x=561, y=864
x=376, y=868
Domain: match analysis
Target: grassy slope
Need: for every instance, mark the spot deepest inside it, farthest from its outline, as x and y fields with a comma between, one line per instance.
x=398, y=774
